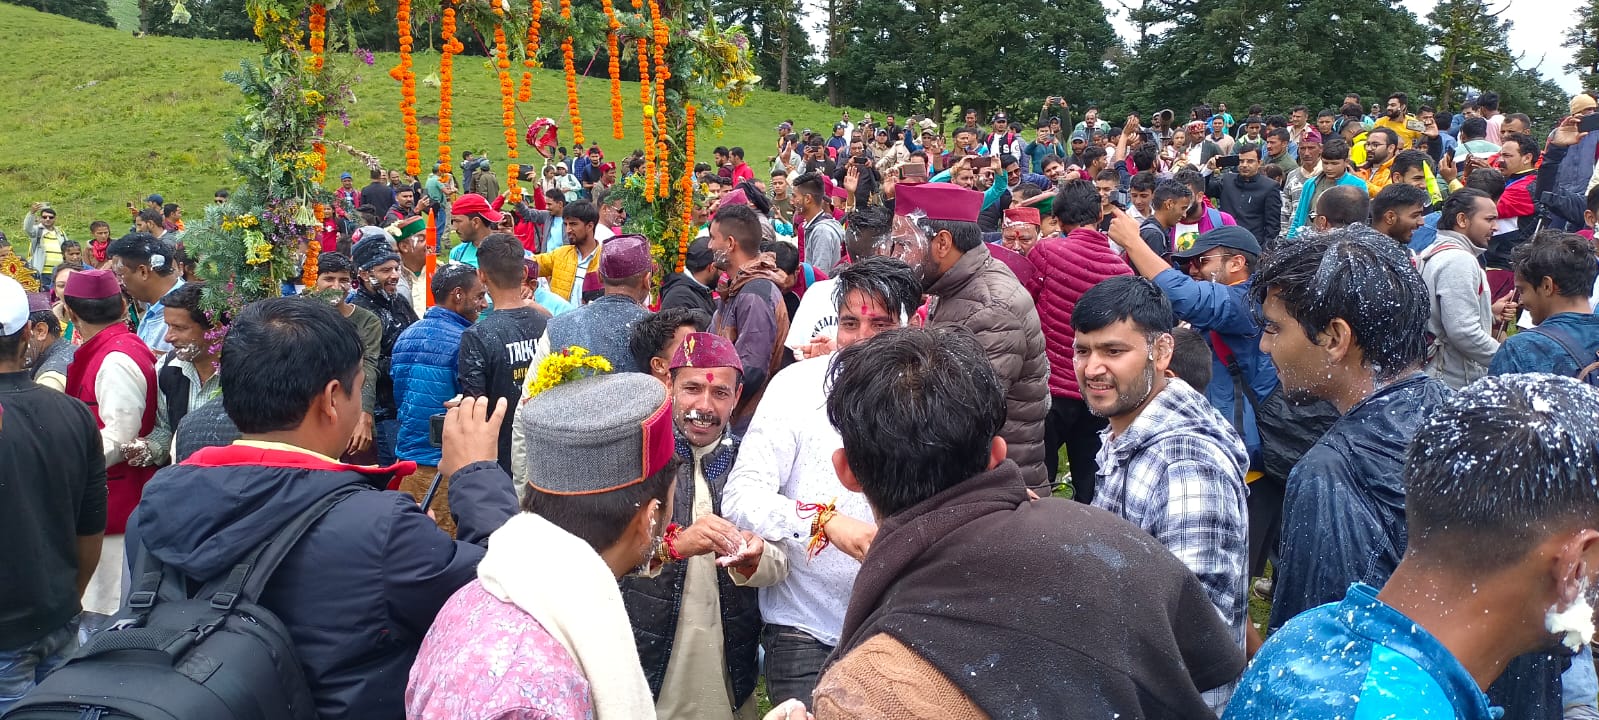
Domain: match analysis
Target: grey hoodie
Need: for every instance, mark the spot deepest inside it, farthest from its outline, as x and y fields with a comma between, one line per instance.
x=1461, y=325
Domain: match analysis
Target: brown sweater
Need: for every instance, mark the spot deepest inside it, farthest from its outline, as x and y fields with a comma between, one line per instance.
x=882, y=679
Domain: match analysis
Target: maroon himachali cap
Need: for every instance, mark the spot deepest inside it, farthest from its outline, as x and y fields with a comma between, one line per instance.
x=93, y=285
x=939, y=201
x=706, y=350
x=625, y=256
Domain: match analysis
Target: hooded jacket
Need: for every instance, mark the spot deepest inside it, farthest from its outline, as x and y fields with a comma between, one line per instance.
x=1344, y=512
x=680, y=290
x=359, y=590
x=1069, y=266
x=1461, y=325
x=982, y=295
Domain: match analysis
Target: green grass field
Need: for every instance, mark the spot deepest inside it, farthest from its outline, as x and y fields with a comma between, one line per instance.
x=91, y=117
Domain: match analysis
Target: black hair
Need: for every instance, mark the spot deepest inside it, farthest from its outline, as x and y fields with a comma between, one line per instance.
x=966, y=236
x=1142, y=181
x=1326, y=112
x=784, y=255
x=1299, y=108
x=1190, y=358
x=1461, y=202
x=187, y=297
x=1396, y=196
x=1401, y=97
x=1052, y=159
x=11, y=345
x=169, y=208
x=1092, y=153
x=1190, y=178
x=1488, y=181
x=376, y=174
x=737, y=152
x=1409, y=160
x=52, y=324
x=719, y=150
x=600, y=518
x=1591, y=202
x=556, y=195
x=1344, y=205
x=932, y=384
x=152, y=215
x=1280, y=134
x=99, y=224
x=1335, y=148
x=1474, y=128
x=650, y=335
x=742, y=223
x=1273, y=171
x=810, y=184
x=1111, y=174
x=335, y=262
x=1124, y=297
x=1144, y=157
x=1563, y=257
x=581, y=210
x=1365, y=279
x=1076, y=204
x=139, y=248
x=756, y=197
x=97, y=311
x=1535, y=449
x=454, y=276
x=70, y=244
x=888, y=280
x=867, y=224
x=499, y=257
x=1524, y=143
x=1248, y=148
x=1169, y=190
x=1521, y=118
x=1388, y=133
x=279, y=355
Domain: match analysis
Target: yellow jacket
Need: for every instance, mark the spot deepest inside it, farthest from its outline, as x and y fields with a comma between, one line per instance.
x=1377, y=178
x=560, y=266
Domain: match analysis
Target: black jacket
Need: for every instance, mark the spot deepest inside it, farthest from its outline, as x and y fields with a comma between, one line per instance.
x=363, y=585
x=655, y=604
x=396, y=315
x=680, y=290
x=1255, y=202
x=495, y=355
x=1344, y=512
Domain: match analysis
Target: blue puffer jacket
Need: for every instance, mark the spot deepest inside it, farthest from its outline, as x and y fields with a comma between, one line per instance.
x=424, y=377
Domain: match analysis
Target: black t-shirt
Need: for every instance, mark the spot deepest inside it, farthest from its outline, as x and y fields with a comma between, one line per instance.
x=496, y=354
x=54, y=493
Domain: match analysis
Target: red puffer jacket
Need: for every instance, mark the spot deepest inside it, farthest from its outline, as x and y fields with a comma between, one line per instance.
x=1069, y=265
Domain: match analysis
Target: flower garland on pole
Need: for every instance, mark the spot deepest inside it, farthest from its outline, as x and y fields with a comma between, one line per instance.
x=570, y=69
x=686, y=231
x=614, y=53
x=648, y=113
x=531, y=50
x=447, y=52
x=662, y=74
x=502, y=50
x=407, y=77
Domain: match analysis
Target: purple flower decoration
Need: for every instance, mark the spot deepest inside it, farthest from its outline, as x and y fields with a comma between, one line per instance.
x=365, y=55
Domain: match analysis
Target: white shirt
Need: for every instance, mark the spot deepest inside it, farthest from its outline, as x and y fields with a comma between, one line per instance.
x=787, y=458
x=119, y=388
x=816, y=315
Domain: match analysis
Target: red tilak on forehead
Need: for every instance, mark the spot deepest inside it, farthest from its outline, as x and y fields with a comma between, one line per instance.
x=710, y=377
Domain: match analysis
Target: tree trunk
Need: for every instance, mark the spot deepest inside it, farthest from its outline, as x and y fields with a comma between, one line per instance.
x=785, y=16
x=833, y=50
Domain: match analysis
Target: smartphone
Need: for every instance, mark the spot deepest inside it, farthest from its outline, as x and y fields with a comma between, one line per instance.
x=1227, y=161
x=433, y=489
x=436, y=430
x=1589, y=123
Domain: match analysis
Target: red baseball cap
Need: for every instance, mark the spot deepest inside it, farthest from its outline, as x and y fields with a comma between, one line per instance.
x=474, y=203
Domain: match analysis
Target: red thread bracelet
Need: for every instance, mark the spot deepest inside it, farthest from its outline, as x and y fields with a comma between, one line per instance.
x=670, y=538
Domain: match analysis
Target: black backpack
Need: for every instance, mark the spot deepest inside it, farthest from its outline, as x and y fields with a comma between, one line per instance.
x=170, y=655
x=1287, y=430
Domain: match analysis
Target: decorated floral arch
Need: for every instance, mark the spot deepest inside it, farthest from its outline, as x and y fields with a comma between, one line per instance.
x=267, y=232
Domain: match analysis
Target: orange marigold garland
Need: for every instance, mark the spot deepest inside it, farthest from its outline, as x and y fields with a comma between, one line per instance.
x=447, y=52
x=531, y=51
x=308, y=271
x=687, y=230
x=662, y=74
x=407, y=78
x=513, y=191
x=571, y=75
x=649, y=113
x=612, y=49
x=319, y=34
x=507, y=88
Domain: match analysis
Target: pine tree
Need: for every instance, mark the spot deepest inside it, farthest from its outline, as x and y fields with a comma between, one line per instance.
x=90, y=11
x=1474, y=50
x=1583, y=38
x=779, y=46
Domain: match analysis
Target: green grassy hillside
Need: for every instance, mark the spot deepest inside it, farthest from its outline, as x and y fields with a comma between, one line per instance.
x=91, y=117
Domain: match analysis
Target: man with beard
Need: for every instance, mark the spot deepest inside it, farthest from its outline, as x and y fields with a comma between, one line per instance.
x=1517, y=208
x=1483, y=582
x=752, y=313
x=697, y=630
x=1345, y=317
x=1382, y=145
x=568, y=266
x=1308, y=166
x=186, y=377
x=498, y=351
x=821, y=237
x=424, y=367
x=1397, y=211
x=1168, y=462
x=335, y=277
x=1406, y=128
x=785, y=476
x=972, y=289
x=1463, y=325
x=379, y=268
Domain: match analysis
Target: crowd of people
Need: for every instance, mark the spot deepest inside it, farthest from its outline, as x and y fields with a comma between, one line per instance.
x=999, y=428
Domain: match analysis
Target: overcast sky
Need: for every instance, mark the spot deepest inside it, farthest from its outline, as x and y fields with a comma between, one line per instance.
x=1533, y=39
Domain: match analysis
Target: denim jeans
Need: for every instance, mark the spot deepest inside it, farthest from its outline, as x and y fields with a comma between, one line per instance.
x=385, y=435
x=22, y=668
x=793, y=663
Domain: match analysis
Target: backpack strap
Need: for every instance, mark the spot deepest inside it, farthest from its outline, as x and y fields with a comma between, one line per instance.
x=1225, y=354
x=1569, y=344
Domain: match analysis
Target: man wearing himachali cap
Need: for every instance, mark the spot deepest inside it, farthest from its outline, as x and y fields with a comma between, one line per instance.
x=113, y=372
x=973, y=290
x=603, y=326
x=697, y=628
x=512, y=645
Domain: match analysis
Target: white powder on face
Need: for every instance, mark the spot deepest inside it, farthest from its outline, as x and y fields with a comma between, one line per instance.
x=1574, y=625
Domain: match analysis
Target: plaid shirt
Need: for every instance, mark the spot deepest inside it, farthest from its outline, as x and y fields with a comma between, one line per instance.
x=1178, y=473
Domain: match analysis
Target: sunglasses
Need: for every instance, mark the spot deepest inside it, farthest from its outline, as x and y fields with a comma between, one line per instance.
x=47, y=217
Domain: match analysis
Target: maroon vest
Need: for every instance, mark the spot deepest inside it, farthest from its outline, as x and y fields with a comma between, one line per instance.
x=124, y=483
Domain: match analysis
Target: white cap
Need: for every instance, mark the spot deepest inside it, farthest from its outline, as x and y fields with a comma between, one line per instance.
x=13, y=306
